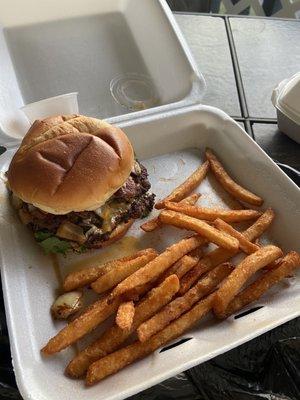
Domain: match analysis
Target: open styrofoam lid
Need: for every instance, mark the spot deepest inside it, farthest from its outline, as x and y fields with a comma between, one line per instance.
x=105, y=50
x=286, y=97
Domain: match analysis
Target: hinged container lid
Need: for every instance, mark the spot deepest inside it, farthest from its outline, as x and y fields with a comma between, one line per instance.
x=125, y=58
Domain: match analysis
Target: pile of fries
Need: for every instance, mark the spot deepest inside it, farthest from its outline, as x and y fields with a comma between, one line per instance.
x=157, y=297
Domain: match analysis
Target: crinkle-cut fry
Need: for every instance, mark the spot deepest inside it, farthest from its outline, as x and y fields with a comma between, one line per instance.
x=113, y=337
x=268, y=279
x=245, y=245
x=154, y=223
x=242, y=272
x=209, y=232
x=125, y=314
x=220, y=255
x=156, y=267
x=86, y=276
x=182, y=304
x=233, y=188
x=210, y=214
x=187, y=186
x=113, y=362
x=122, y=271
x=80, y=326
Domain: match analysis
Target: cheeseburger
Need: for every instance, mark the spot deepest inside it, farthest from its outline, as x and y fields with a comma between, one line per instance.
x=76, y=183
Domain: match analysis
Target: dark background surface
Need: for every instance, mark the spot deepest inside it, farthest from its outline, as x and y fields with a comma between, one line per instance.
x=242, y=59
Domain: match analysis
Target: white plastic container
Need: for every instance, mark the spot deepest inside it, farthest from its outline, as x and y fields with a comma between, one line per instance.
x=171, y=145
x=58, y=105
x=286, y=99
x=125, y=58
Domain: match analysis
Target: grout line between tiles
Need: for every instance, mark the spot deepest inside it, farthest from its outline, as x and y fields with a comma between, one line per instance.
x=236, y=69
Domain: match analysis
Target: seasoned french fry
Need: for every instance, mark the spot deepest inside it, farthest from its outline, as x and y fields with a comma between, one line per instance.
x=198, y=252
x=245, y=244
x=220, y=255
x=260, y=226
x=155, y=223
x=182, y=304
x=113, y=362
x=187, y=186
x=237, y=191
x=79, y=327
x=122, y=271
x=201, y=227
x=154, y=268
x=186, y=264
x=263, y=283
x=86, y=276
x=180, y=267
x=243, y=271
x=111, y=339
x=210, y=214
x=125, y=314
x=151, y=225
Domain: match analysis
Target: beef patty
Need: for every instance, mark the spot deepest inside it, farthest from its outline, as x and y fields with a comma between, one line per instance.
x=131, y=201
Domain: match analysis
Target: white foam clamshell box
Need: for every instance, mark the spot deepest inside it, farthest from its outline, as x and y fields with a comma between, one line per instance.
x=171, y=145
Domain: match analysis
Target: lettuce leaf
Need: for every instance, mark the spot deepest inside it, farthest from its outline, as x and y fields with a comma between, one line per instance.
x=55, y=245
x=42, y=235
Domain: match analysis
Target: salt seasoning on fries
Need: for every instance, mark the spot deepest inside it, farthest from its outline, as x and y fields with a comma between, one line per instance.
x=242, y=272
x=154, y=268
x=113, y=337
x=113, y=362
x=201, y=227
x=187, y=186
x=155, y=223
x=125, y=314
x=210, y=214
x=254, y=291
x=237, y=191
x=182, y=304
x=121, y=271
x=245, y=244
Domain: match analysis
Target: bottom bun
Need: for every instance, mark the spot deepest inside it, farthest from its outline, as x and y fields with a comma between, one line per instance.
x=117, y=234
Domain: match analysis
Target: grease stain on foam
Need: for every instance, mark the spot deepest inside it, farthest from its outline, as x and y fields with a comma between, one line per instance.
x=124, y=247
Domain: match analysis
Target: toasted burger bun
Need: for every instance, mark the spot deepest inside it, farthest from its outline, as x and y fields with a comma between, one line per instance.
x=116, y=234
x=70, y=163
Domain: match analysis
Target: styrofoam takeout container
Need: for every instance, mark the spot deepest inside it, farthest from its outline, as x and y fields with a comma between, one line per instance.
x=125, y=58
x=286, y=99
x=171, y=146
